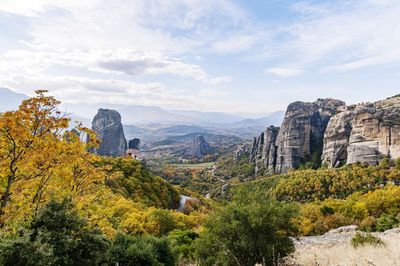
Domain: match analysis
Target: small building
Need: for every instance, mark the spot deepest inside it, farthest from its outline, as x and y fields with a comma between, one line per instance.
x=134, y=154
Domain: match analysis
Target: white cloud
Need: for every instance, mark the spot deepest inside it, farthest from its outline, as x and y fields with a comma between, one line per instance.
x=236, y=43
x=212, y=92
x=346, y=35
x=121, y=61
x=173, y=26
x=85, y=90
x=284, y=72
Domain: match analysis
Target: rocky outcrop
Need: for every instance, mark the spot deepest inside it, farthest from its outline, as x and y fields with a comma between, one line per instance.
x=298, y=140
x=241, y=152
x=301, y=135
x=198, y=148
x=264, y=151
x=368, y=133
x=107, y=124
x=326, y=131
x=134, y=144
x=336, y=139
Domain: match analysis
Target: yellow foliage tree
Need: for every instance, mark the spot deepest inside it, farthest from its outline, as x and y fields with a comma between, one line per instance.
x=40, y=159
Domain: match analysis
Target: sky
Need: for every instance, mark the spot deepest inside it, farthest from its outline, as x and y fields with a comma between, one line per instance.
x=234, y=56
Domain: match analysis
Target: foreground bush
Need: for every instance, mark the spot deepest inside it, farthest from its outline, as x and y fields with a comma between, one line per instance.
x=246, y=233
x=364, y=239
x=141, y=251
x=57, y=236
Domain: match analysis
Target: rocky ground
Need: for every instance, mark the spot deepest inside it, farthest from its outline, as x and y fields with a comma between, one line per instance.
x=334, y=248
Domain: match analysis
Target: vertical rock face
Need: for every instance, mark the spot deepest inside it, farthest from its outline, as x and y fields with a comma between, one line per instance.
x=336, y=140
x=263, y=152
x=198, y=148
x=301, y=134
x=107, y=124
x=372, y=131
x=134, y=144
x=298, y=140
x=327, y=131
x=241, y=152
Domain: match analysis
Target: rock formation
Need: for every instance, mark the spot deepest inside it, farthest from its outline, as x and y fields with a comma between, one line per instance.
x=134, y=144
x=198, y=148
x=326, y=131
x=336, y=139
x=264, y=150
x=107, y=124
x=368, y=133
x=297, y=141
x=301, y=134
x=241, y=152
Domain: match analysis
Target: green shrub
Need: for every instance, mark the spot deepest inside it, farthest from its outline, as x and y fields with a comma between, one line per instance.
x=57, y=236
x=247, y=232
x=386, y=222
x=364, y=239
x=326, y=210
x=140, y=251
x=181, y=242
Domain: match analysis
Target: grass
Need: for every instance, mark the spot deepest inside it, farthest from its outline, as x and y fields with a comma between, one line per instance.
x=364, y=239
x=197, y=166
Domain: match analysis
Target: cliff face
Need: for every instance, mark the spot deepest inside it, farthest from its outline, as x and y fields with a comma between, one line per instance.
x=301, y=134
x=336, y=140
x=372, y=131
x=298, y=140
x=107, y=124
x=263, y=152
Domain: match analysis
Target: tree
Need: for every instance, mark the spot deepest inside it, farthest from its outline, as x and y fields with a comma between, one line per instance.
x=25, y=136
x=40, y=159
x=57, y=236
x=140, y=251
x=181, y=241
x=246, y=233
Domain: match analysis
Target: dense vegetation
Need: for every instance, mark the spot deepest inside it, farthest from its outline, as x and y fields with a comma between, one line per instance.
x=135, y=182
x=210, y=179
x=364, y=195
x=62, y=205
x=57, y=197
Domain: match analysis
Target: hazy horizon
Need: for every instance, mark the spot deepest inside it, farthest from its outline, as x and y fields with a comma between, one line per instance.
x=226, y=56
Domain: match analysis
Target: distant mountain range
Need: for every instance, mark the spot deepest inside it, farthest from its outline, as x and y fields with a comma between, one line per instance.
x=10, y=100
x=140, y=120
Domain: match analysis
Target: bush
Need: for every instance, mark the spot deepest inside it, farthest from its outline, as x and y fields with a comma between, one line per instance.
x=386, y=222
x=368, y=224
x=181, y=242
x=247, y=232
x=57, y=236
x=363, y=239
x=140, y=251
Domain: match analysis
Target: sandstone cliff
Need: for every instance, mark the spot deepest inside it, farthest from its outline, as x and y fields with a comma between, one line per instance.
x=301, y=135
x=364, y=133
x=263, y=152
x=107, y=124
x=299, y=139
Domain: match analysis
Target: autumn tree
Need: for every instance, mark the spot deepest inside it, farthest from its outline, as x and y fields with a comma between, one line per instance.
x=41, y=159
